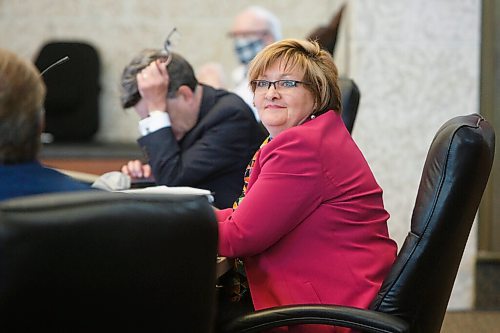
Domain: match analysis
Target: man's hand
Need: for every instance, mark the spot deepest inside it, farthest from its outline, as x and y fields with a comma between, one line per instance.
x=153, y=83
x=136, y=169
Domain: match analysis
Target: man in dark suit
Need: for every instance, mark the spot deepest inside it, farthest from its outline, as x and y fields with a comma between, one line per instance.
x=22, y=93
x=192, y=134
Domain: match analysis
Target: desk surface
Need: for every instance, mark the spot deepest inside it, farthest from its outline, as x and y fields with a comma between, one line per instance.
x=81, y=176
x=92, y=157
x=94, y=150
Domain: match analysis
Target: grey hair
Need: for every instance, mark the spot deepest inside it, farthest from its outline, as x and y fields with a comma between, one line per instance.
x=180, y=72
x=272, y=20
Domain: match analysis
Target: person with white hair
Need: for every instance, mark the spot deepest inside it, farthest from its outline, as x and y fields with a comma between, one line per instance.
x=253, y=28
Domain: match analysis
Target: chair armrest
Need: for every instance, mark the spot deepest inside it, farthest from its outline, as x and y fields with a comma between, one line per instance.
x=360, y=319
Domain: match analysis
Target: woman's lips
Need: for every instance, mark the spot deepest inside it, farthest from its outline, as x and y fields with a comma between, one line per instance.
x=274, y=106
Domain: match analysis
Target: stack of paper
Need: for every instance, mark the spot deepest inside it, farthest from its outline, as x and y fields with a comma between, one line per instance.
x=172, y=190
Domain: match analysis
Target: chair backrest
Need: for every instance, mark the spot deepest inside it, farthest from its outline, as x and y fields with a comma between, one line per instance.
x=326, y=35
x=350, y=101
x=86, y=261
x=454, y=176
x=73, y=89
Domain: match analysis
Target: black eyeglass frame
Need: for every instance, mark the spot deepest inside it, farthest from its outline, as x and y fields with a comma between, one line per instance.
x=254, y=83
x=167, y=45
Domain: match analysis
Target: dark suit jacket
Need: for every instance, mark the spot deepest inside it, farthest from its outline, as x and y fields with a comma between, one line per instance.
x=32, y=178
x=214, y=154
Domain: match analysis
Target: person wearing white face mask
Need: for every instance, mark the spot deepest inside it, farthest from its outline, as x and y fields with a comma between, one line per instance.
x=253, y=29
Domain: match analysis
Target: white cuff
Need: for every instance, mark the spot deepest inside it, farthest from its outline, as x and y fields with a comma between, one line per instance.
x=155, y=121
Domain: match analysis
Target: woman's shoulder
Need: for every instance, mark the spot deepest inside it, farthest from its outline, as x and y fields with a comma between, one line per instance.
x=298, y=138
x=316, y=139
x=313, y=130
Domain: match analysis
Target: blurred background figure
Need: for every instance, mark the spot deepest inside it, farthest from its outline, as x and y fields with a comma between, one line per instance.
x=253, y=29
x=22, y=94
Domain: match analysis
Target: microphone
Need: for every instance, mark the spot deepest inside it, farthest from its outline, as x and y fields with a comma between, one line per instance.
x=57, y=63
x=47, y=137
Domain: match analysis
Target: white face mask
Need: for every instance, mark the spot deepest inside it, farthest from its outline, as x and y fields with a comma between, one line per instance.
x=247, y=48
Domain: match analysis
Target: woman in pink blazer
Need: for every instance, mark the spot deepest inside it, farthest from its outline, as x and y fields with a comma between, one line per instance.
x=311, y=226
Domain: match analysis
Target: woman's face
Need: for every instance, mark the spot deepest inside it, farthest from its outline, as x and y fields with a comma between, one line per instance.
x=284, y=105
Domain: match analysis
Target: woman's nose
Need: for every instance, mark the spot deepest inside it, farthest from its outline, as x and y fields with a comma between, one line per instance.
x=272, y=92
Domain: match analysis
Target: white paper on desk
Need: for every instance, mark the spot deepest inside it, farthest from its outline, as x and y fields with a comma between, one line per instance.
x=162, y=189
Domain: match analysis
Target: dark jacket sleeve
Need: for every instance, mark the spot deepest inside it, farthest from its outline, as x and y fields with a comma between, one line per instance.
x=220, y=143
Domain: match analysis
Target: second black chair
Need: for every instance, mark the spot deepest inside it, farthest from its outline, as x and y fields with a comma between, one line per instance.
x=350, y=95
x=73, y=90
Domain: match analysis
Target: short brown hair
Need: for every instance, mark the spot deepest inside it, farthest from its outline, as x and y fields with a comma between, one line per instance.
x=22, y=93
x=180, y=72
x=319, y=69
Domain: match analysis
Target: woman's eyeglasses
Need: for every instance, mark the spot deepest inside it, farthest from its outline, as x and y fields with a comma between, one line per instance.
x=280, y=85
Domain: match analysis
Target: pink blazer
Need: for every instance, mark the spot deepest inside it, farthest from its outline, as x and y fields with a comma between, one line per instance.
x=312, y=227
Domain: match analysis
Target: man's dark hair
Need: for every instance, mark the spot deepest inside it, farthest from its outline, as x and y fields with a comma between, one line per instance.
x=180, y=72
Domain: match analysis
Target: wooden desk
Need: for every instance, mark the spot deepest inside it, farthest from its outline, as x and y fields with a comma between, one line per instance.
x=87, y=162
x=92, y=158
x=81, y=176
x=92, y=166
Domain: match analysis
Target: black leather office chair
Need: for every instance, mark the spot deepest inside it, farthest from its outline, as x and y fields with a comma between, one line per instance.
x=73, y=90
x=350, y=95
x=415, y=294
x=326, y=34
x=101, y=261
